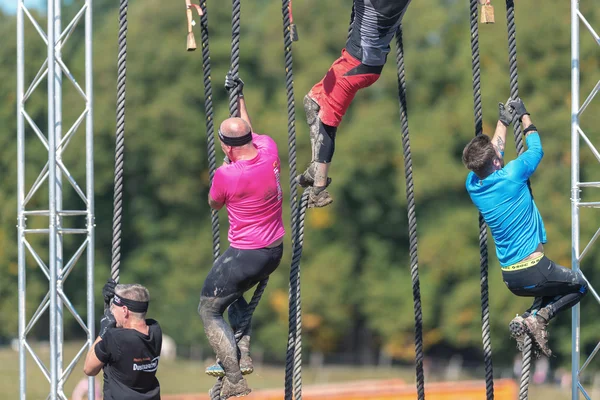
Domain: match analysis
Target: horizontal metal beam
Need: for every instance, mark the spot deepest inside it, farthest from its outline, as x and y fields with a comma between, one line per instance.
x=63, y=213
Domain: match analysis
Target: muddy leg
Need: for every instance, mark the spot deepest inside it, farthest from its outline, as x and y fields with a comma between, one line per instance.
x=220, y=335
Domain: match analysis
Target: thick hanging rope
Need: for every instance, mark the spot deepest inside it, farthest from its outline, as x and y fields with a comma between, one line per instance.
x=483, y=248
x=525, y=368
x=514, y=93
x=120, y=143
x=412, y=217
x=215, y=393
x=512, y=61
x=210, y=130
x=293, y=365
x=293, y=369
x=527, y=357
x=236, y=15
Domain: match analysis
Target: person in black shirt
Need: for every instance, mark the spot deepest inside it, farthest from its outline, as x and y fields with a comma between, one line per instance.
x=128, y=346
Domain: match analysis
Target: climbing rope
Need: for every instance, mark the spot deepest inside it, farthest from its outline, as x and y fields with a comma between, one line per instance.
x=527, y=358
x=293, y=368
x=215, y=392
x=514, y=93
x=525, y=368
x=483, y=249
x=293, y=364
x=514, y=76
x=210, y=129
x=120, y=143
x=236, y=13
x=412, y=218
x=512, y=60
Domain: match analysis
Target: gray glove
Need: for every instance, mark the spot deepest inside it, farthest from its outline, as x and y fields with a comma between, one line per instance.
x=233, y=83
x=504, y=114
x=108, y=291
x=107, y=322
x=517, y=107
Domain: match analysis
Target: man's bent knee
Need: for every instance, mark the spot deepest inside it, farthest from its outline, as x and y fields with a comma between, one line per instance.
x=208, y=308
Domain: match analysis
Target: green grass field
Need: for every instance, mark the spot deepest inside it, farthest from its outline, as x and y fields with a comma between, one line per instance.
x=183, y=376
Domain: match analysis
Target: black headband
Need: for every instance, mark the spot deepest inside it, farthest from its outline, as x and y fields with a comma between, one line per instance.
x=132, y=305
x=236, y=141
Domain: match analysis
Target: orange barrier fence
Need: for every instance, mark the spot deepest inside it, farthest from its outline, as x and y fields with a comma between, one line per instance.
x=394, y=389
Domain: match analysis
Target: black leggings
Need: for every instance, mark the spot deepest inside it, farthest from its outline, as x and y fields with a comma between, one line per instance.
x=560, y=288
x=233, y=273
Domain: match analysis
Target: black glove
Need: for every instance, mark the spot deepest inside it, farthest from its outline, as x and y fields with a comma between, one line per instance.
x=108, y=291
x=517, y=107
x=233, y=83
x=107, y=322
x=504, y=114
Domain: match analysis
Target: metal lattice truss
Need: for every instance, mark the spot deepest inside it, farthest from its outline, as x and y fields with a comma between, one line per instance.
x=54, y=69
x=578, y=136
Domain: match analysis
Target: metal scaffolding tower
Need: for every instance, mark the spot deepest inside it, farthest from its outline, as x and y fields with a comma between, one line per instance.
x=54, y=69
x=577, y=135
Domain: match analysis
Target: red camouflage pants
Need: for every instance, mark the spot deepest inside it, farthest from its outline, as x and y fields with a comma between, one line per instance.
x=337, y=89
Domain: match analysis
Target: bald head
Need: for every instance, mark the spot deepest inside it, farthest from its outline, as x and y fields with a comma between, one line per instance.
x=234, y=127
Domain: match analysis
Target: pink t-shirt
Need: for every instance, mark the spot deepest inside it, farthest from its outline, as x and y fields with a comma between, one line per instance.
x=252, y=194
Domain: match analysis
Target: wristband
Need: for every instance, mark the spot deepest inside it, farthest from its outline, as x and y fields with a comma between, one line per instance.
x=530, y=128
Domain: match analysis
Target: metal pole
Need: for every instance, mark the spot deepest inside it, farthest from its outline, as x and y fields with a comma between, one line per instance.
x=59, y=193
x=21, y=197
x=575, y=191
x=89, y=149
x=52, y=206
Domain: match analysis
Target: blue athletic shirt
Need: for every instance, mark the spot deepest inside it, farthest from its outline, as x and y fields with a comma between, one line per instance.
x=505, y=202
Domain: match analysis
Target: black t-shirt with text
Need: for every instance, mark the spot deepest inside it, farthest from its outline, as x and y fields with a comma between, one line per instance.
x=131, y=360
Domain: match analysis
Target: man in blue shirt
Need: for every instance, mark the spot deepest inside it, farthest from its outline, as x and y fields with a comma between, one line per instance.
x=502, y=195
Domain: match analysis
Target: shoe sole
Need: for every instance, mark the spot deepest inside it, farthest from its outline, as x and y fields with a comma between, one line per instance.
x=518, y=332
x=221, y=373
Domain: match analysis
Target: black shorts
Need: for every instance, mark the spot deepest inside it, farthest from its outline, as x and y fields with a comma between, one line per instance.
x=237, y=270
x=545, y=279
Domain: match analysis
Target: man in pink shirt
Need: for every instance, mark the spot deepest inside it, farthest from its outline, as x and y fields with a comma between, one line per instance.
x=247, y=184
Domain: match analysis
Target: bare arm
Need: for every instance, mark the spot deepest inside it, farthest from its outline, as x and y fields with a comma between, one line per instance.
x=499, y=139
x=526, y=121
x=244, y=111
x=92, y=364
x=215, y=205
